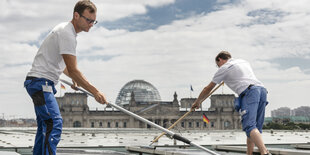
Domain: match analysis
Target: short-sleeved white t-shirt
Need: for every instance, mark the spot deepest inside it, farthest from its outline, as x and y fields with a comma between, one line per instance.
x=237, y=74
x=48, y=62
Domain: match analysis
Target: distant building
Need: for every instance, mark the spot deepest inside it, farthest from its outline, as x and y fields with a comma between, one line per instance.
x=187, y=102
x=142, y=98
x=301, y=111
x=285, y=115
x=286, y=112
x=287, y=119
x=281, y=112
x=2, y=122
x=300, y=119
x=18, y=123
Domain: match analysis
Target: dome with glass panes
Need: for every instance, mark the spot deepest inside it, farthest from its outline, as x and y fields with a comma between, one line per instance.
x=143, y=92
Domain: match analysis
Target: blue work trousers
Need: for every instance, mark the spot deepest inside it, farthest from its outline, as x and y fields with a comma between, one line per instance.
x=49, y=120
x=253, y=103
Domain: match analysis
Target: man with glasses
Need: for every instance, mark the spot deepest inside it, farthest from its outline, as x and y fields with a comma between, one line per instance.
x=239, y=77
x=57, y=55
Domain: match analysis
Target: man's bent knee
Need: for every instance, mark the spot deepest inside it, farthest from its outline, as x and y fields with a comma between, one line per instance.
x=248, y=130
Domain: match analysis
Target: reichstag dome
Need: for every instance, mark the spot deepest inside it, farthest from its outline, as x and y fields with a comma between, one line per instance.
x=143, y=92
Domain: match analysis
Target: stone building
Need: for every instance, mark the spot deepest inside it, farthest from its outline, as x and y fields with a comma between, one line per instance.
x=281, y=112
x=143, y=99
x=2, y=123
x=301, y=111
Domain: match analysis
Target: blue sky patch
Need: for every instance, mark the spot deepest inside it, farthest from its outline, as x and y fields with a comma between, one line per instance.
x=289, y=62
x=158, y=16
x=264, y=17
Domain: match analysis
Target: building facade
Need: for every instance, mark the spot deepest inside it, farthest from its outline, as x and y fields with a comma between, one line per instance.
x=285, y=115
x=222, y=116
x=2, y=123
x=301, y=111
x=281, y=112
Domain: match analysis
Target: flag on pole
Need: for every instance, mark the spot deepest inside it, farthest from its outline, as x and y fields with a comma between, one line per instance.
x=205, y=118
x=192, y=88
x=62, y=86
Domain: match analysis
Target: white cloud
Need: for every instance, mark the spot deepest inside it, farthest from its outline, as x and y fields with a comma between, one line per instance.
x=16, y=53
x=171, y=57
x=26, y=21
x=23, y=22
x=190, y=46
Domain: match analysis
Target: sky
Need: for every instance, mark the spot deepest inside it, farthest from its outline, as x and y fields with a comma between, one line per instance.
x=168, y=43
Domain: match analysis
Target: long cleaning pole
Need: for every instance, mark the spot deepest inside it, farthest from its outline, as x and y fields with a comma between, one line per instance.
x=172, y=134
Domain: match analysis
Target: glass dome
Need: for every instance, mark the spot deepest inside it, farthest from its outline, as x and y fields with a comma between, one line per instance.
x=143, y=91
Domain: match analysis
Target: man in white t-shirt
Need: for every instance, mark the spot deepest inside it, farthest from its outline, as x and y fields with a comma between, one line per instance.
x=57, y=55
x=239, y=77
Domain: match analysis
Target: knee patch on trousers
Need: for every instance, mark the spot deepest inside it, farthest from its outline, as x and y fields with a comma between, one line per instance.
x=52, y=138
x=56, y=133
x=38, y=98
x=49, y=128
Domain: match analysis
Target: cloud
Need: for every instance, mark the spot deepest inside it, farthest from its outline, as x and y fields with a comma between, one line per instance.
x=18, y=52
x=172, y=56
x=191, y=44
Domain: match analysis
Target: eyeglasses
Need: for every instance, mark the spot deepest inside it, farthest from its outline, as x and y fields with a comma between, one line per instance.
x=89, y=21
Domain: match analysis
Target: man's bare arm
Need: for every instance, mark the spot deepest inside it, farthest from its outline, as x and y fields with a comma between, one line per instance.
x=203, y=94
x=74, y=73
x=66, y=72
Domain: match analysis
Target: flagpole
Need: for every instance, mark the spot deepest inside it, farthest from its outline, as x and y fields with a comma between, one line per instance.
x=191, y=90
x=60, y=90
